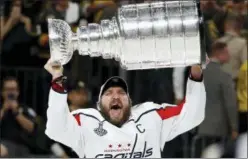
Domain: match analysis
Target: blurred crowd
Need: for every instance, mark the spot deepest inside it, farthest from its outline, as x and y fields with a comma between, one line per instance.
x=25, y=43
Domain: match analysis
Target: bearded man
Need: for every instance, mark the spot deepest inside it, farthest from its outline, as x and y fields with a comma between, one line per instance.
x=117, y=129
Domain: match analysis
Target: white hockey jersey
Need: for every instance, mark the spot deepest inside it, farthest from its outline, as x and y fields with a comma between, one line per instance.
x=142, y=136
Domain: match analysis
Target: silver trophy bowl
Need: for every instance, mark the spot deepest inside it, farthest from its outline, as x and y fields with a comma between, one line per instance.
x=140, y=36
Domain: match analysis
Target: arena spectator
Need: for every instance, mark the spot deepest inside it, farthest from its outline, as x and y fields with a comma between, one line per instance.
x=237, y=46
x=12, y=17
x=239, y=7
x=17, y=121
x=16, y=34
x=242, y=97
x=99, y=9
x=210, y=9
x=65, y=10
x=214, y=15
x=220, y=123
x=79, y=97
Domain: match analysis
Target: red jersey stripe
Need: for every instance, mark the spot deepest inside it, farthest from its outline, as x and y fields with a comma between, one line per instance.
x=77, y=117
x=169, y=112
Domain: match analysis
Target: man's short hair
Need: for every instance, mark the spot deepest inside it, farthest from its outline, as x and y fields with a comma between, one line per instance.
x=217, y=46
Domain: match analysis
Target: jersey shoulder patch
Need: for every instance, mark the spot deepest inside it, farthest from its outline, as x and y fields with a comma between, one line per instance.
x=142, y=108
x=169, y=111
x=88, y=113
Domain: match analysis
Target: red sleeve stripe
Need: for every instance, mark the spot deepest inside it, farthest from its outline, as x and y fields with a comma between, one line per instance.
x=169, y=112
x=57, y=88
x=77, y=117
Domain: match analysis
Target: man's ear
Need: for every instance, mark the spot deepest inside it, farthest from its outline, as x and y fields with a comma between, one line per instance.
x=130, y=101
x=98, y=105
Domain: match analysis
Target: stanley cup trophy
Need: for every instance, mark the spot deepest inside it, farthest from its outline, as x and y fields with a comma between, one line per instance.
x=141, y=36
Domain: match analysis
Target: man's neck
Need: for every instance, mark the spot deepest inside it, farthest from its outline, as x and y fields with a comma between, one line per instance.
x=73, y=107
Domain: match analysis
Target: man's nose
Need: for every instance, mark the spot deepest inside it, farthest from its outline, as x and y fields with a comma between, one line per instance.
x=115, y=96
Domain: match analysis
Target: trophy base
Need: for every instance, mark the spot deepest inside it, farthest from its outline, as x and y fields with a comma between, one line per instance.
x=144, y=65
x=156, y=65
x=94, y=54
x=107, y=56
x=131, y=65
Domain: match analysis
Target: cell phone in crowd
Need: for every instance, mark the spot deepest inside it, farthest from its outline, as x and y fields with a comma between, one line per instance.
x=11, y=97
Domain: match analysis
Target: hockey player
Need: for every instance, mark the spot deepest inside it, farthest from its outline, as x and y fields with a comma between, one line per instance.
x=118, y=129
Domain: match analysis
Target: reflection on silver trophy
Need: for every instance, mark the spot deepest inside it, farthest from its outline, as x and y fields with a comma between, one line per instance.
x=141, y=36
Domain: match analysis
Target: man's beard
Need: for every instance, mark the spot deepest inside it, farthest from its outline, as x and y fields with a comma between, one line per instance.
x=126, y=114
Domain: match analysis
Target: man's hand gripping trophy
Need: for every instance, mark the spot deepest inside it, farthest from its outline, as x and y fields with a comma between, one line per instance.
x=54, y=68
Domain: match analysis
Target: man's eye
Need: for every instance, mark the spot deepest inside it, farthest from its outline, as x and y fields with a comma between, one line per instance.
x=122, y=93
x=107, y=93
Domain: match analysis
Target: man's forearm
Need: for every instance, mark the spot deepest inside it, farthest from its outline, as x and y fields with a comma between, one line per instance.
x=25, y=123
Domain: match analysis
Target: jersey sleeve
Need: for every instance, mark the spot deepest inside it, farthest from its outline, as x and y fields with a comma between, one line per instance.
x=177, y=119
x=62, y=126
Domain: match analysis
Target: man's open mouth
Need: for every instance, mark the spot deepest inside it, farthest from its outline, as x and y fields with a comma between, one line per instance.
x=115, y=111
x=115, y=107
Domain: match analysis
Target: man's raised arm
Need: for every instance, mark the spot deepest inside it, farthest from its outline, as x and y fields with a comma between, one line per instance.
x=177, y=119
x=61, y=125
